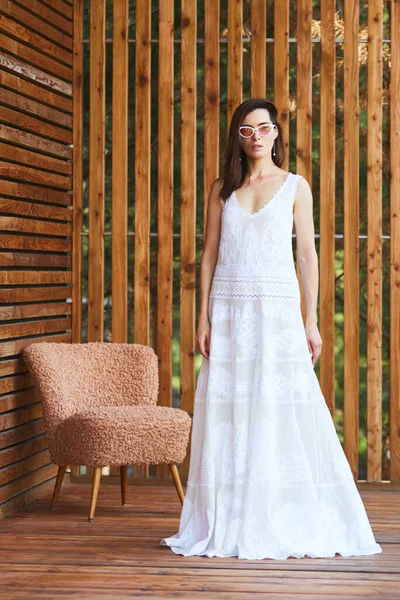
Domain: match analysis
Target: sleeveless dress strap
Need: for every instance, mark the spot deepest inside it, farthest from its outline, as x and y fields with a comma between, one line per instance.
x=296, y=180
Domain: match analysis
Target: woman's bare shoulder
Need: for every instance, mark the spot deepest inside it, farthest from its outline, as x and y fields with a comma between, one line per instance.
x=216, y=185
x=301, y=179
x=303, y=193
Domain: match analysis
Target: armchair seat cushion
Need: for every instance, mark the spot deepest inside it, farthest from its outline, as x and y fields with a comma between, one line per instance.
x=122, y=435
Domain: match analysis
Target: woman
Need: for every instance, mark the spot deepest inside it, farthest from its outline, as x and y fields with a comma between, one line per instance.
x=268, y=477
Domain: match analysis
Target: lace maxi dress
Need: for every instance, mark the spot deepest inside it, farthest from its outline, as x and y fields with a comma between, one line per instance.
x=268, y=477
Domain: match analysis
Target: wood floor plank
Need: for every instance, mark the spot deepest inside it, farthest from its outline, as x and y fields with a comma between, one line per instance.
x=360, y=587
x=57, y=554
x=142, y=572
x=106, y=595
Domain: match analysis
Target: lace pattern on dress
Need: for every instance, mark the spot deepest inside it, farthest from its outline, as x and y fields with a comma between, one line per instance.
x=225, y=287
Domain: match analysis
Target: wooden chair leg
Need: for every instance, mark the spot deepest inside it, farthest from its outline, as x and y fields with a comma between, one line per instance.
x=124, y=479
x=95, y=491
x=57, y=487
x=177, y=481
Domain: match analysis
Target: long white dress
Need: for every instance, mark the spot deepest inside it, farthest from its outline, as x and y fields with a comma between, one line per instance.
x=268, y=477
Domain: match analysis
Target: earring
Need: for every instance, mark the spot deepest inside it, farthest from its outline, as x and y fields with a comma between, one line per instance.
x=274, y=149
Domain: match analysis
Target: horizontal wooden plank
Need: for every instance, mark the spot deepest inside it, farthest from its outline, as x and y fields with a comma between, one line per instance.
x=49, y=163
x=28, y=328
x=35, y=58
x=27, y=259
x=34, y=159
x=12, y=367
x=35, y=40
x=31, y=140
x=66, y=10
x=192, y=582
x=40, y=211
x=19, y=399
x=16, y=346
x=35, y=23
x=35, y=226
x=13, y=384
x=36, y=294
x=34, y=192
x=19, y=242
x=10, y=455
x=25, y=466
x=32, y=176
x=42, y=309
x=34, y=125
x=20, y=416
x=36, y=277
x=73, y=590
x=111, y=551
x=50, y=16
x=23, y=173
x=24, y=432
x=25, y=483
x=27, y=498
x=23, y=69
x=31, y=90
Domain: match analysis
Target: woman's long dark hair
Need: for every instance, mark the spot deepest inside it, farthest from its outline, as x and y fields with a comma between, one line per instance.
x=235, y=169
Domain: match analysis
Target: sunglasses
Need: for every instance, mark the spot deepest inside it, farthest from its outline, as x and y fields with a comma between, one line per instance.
x=246, y=131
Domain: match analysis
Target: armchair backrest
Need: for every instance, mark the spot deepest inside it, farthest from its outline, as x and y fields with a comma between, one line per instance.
x=73, y=377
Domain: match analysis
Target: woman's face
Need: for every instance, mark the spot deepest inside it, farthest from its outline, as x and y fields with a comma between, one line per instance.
x=257, y=143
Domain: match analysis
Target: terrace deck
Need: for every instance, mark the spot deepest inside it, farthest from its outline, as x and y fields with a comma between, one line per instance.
x=58, y=554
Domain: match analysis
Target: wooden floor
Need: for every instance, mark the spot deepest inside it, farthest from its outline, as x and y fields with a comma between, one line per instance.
x=58, y=554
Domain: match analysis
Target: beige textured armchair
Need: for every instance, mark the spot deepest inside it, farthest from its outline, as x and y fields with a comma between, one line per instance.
x=100, y=409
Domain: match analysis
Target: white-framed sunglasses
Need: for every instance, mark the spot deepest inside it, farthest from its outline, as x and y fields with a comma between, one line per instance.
x=246, y=131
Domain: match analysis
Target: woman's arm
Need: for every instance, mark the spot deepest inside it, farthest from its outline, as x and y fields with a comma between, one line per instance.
x=308, y=261
x=207, y=265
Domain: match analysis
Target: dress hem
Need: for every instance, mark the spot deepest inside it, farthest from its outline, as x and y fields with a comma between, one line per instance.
x=375, y=549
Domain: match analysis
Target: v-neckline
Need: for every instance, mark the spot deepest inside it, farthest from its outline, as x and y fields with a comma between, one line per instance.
x=249, y=214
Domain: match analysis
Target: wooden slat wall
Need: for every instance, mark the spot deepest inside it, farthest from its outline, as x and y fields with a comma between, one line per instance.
x=258, y=48
x=142, y=173
x=188, y=210
x=301, y=147
x=96, y=166
x=165, y=199
x=120, y=173
x=77, y=174
x=327, y=203
x=211, y=98
x=303, y=102
x=351, y=231
x=165, y=204
x=235, y=56
x=395, y=246
x=374, y=245
x=36, y=134
x=142, y=180
x=281, y=70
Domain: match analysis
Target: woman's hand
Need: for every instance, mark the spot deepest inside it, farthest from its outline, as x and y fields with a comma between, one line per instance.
x=203, y=337
x=314, y=341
